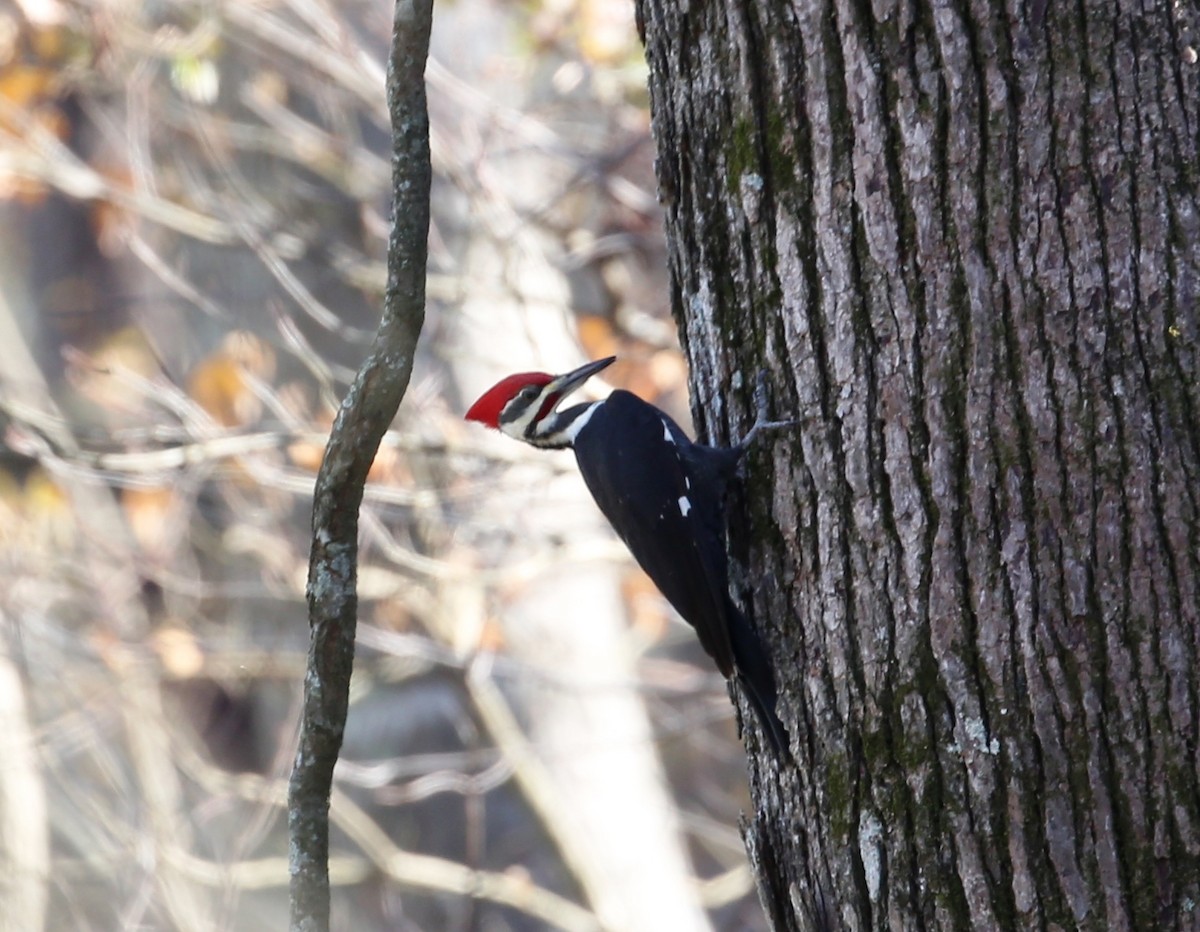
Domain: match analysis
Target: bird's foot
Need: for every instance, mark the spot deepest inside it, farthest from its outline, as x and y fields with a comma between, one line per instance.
x=762, y=419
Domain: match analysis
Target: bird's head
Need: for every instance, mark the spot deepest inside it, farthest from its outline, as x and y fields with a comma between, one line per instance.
x=523, y=405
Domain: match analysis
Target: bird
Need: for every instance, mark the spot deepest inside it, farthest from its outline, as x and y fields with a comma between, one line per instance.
x=663, y=494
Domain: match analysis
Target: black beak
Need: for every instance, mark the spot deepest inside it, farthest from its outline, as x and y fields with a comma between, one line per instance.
x=565, y=384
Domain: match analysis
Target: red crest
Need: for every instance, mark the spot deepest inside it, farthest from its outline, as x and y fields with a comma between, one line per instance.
x=487, y=409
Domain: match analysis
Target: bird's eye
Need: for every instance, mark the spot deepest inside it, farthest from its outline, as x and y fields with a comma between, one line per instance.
x=529, y=392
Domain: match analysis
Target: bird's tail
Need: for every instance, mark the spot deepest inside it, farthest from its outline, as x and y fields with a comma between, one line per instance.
x=764, y=707
x=755, y=676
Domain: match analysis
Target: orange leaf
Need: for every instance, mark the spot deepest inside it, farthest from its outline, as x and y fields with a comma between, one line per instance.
x=148, y=512
x=597, y=337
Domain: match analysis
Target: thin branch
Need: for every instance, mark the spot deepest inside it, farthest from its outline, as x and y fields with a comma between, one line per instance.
x=161, y=793
x=434, y=873
x=362, y=420
x=33, y=152
x=381, y=855
x=359, y=76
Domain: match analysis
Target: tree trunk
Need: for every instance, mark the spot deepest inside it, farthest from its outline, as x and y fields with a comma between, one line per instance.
x=964, y=241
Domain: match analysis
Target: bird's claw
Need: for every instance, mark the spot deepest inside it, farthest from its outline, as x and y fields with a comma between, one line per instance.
x=762, y=419
x=761, y=405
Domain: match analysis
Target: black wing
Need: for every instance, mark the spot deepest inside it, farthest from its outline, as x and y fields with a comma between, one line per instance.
x=631, y=458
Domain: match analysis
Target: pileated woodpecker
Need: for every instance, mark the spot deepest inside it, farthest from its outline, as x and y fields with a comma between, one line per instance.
x=663, y=494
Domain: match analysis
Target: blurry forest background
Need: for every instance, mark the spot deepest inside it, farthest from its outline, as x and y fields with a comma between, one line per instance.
x=193, y=218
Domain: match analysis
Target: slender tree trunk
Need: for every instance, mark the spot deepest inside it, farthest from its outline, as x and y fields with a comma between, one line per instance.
x=964, y=240
x=362, y=418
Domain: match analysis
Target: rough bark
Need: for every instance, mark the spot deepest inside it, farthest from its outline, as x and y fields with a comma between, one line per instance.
x=964, y=239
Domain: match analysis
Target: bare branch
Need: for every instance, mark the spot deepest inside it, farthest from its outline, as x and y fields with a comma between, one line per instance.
x=36, y=153
x=422, y=870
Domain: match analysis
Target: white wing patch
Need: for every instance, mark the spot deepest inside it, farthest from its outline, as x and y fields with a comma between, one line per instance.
x=667, y=433
x=684, y=505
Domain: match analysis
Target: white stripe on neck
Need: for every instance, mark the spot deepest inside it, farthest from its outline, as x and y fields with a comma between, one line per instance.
x=571, y=431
